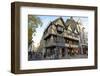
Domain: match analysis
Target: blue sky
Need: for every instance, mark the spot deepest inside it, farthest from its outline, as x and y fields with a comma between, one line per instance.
x=47, y=19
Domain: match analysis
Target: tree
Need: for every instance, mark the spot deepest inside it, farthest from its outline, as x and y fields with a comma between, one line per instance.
x=33, y=23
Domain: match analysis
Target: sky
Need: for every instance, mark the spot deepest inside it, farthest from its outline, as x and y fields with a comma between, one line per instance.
x=47, y=19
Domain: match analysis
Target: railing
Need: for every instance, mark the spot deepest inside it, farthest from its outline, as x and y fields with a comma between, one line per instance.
x=72, y=45
x=51, y=43
x=72, y=37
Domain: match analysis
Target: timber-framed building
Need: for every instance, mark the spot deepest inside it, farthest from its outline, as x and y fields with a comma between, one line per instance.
x=61, y=39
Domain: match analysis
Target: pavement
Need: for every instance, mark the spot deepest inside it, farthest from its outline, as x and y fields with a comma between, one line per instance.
x=39, y=57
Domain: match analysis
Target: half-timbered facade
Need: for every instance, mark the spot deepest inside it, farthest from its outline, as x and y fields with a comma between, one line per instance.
x=61, y=39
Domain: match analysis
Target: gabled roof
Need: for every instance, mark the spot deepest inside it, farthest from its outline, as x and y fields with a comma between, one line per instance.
x=48, y=26
x=69, y=22
x=73, y=24
x=59, y=19
x=53, y=23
